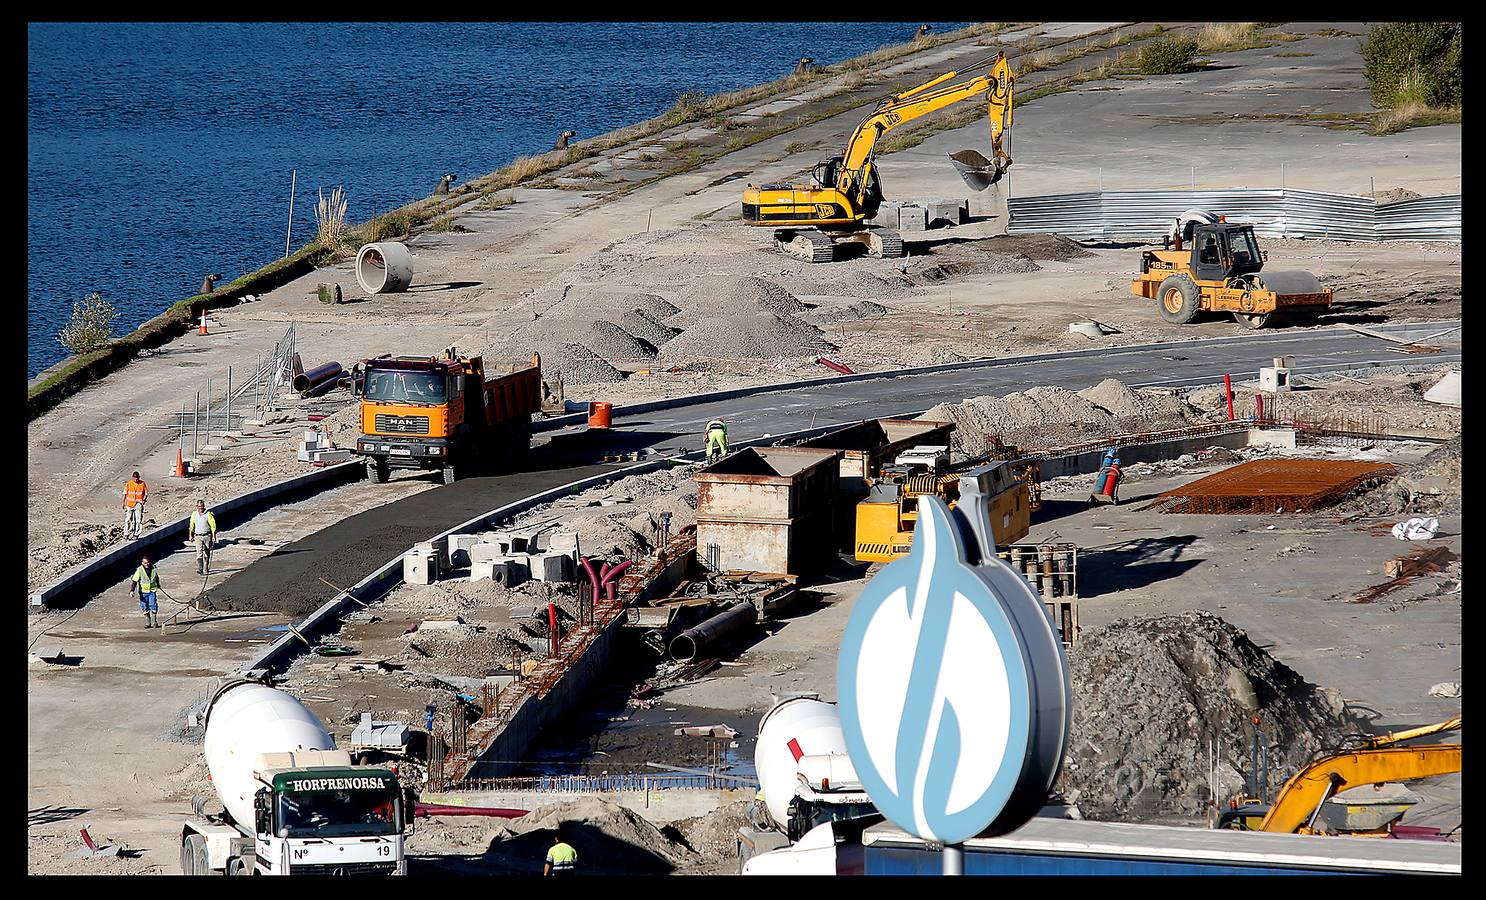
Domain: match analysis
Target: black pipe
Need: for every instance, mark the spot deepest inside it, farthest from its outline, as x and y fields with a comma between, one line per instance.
x=307, y=380
x=688, y=644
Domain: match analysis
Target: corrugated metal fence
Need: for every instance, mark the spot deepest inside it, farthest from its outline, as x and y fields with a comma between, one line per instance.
x=1148, y=215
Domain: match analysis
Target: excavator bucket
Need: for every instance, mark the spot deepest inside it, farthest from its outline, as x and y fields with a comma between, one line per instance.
x=979, y=173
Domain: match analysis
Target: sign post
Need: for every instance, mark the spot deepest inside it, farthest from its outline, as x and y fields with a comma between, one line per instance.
x=954, y=688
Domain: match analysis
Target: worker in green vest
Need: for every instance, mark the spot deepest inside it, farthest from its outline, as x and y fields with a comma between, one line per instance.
x=145, y=581
x=562, y=859
x=201, y=530
x=717, y=438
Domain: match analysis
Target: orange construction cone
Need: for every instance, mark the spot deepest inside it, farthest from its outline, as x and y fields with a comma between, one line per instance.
x=202, y=330
x=180, y=465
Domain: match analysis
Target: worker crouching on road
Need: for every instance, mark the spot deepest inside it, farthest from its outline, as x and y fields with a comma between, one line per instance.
x=135, y=494
x=717, y=439
x=202, y=530
x=562, y=859
x=145, y=582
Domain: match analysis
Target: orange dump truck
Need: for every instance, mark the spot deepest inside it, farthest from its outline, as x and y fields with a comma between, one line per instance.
x=425, y=412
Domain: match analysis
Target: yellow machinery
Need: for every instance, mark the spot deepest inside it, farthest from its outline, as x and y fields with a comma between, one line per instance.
x=885, y=519
x=1221, y=271
x=846, y=190
x=1375, y=761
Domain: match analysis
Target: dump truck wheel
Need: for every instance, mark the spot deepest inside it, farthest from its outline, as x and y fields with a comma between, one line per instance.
x=449, y=473
x=1178, y=298
x=377, y=471
x=1251, y=321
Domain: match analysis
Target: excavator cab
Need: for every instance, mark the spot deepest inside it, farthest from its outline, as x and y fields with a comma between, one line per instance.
x=824, y=174
x=1222, y=252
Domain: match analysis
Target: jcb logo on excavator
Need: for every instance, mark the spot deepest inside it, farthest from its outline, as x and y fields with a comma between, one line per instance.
x=893, y=119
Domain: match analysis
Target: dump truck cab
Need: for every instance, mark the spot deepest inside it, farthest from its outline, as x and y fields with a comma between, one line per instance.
x=1219, y=267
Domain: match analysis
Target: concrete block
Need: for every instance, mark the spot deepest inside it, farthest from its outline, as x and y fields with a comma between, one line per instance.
x=484, y=570
x=1274, y=379
x=420, y=568
x=887, y=214
x=554, y=565
x=949, y=212
x=329, y=456
x=487, y=551
x=521, y=542
x=912, y=217
x=1272, y=437
x=564, y=542
x=459, y=549
x=520, y=568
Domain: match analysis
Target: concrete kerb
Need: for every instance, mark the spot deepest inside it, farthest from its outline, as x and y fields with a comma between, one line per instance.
x=633, y=409
x=382, y=581
x=227, y=513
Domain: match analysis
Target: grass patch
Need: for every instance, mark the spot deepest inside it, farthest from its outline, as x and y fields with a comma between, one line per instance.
x=1168, y=56
x=498, y=200
x=1289, y=54
x=1413, y=72
x=796, y=147
x=446, y=224
x=1335, y=32
x=1413, y=115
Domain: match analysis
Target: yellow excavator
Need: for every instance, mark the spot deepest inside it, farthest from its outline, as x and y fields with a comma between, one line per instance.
x=1377, y=760
x=846, y=190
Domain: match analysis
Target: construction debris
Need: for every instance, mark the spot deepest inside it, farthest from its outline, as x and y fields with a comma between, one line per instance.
x=1404, y=569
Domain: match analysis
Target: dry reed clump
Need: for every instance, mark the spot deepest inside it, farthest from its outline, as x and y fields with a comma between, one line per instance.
x=330, y=218
x=1224, y=37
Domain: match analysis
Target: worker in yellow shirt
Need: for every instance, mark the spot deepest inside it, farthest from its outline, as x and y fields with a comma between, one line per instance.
x=717, y=439
x=135, y=493
x=562, y=859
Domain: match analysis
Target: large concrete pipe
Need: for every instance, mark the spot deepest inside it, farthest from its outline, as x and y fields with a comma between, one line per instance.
x=384, y=268
x=688, y=644
x=315, y=377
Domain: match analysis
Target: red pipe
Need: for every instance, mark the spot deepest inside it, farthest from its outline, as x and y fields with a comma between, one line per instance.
x=603, y=573
x=1259, y=407
x=613, y=590
x=424, y=810
x=834, y=365
x=612, y=574
x=1228, y=386
x=552, y=621
x=593, y=577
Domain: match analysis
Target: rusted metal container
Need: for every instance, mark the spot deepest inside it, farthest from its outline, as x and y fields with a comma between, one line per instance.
x=768, y=509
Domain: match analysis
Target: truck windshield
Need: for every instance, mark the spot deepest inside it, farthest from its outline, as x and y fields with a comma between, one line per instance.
x=404, y=387
x=327, y=814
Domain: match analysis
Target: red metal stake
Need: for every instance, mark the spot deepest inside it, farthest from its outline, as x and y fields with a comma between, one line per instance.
x=1228, y=386
x=1259, y=407
x=552, y=622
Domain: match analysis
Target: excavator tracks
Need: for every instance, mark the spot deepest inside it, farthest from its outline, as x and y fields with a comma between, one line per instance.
x=809, y=244
x=885, y=243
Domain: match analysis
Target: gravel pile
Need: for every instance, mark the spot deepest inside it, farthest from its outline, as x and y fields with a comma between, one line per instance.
x=1037, y=418
x=612, y=342
x=855, y=282
x=1122, y=401
x=1148, y=695
x=647, y=328
x=715, y=835
x=735, y=297
x=847, y=312
x=761, y=336
x=578, y=365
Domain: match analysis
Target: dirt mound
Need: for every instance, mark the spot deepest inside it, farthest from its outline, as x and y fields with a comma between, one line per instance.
x=847, y=312
x=1038, y=418
x=610, y=840
x=1430, y=487
x=1054, y=247
x=1397, y=195
x=980, y=264
x=762, y=336
x=715, y=835
x=1122, y=401
x=1148, y=695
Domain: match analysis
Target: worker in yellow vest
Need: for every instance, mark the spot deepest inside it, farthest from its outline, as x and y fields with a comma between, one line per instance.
x=145, y=581
x=562, y=859
x=201, y=529
x=135, y=493
x=717, y=438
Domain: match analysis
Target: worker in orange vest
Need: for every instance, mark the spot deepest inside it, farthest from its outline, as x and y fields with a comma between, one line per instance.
x=135, y=492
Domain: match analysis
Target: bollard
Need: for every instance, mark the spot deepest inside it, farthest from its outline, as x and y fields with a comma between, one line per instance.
x=1228, y=388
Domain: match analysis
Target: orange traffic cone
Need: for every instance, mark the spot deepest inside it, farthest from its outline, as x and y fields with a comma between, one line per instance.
x=180, y=465
x=202, y=330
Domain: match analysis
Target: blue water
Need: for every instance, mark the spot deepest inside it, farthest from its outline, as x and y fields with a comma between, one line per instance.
x=160, y=152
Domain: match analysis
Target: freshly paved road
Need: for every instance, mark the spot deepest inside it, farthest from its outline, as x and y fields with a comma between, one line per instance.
x=346, y=551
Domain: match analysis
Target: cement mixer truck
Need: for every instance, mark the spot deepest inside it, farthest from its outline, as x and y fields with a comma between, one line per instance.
x=292, y=804
x=812, y=807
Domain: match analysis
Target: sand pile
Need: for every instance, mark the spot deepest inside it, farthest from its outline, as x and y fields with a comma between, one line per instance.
x=715, y=835
x=1037, y=418
x=610, y=840
x=1122, y=401
x=1430, y=487
x=852, y=281
x=760, y=336
x=846, y=312
x=1148, y=694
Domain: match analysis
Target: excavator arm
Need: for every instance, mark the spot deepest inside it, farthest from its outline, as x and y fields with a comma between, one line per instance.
x=920, y=101
x=1377, y=761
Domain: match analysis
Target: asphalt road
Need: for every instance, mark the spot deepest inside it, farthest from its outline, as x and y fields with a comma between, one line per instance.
x=346, y=551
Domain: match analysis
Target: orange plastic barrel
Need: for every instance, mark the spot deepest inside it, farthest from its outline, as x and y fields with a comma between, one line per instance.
x=600, y=414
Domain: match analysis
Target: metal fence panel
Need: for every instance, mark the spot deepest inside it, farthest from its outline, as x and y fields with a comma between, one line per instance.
x=1148, y=215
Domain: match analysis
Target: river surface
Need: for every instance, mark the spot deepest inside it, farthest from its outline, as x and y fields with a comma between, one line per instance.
x=159, y=152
